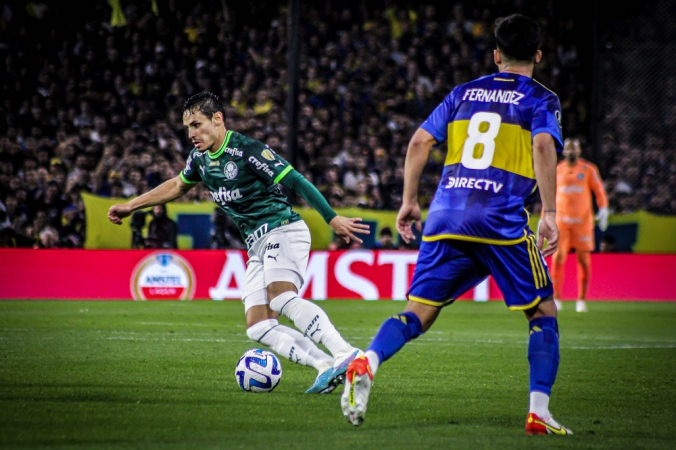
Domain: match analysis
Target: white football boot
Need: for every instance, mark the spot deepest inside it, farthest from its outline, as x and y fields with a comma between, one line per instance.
x=581, y=306
x=358, y=381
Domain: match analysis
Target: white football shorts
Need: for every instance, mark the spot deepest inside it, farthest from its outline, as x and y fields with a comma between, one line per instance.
x=280, y=255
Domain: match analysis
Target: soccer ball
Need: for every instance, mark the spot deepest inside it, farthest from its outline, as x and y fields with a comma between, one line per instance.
x=258, y=370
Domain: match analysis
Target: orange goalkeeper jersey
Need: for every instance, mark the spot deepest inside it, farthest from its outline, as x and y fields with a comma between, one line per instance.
x=574, y=186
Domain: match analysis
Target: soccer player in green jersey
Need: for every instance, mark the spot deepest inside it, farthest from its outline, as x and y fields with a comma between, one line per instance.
x=243, y=176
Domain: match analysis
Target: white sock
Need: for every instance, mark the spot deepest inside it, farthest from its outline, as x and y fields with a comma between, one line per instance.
x=539, y=404
x=289, y=344
x=374, y=361
x=312, y=321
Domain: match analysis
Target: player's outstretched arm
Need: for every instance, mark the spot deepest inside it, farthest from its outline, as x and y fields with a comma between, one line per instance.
x=165, y=192
x=544, y=163
x=416, y=158
x=345, y=227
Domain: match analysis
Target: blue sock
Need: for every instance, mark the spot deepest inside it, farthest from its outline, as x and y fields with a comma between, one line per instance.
x=543, y=353
x=394, y=333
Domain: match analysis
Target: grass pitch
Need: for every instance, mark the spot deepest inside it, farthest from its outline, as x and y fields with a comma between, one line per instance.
x=113, y=375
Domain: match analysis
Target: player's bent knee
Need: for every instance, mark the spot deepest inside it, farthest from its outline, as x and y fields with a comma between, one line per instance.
x=425, y=314
x=257, y=331
x=256, y=298
x=278, y=303
x=286, y=279
x=546, y=308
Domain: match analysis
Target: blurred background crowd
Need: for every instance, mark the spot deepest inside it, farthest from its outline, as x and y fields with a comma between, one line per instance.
x=91, y=107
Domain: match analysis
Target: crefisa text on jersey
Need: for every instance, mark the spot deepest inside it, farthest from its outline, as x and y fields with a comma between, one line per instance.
x=261, y=166
x=223, y=196
x=233, y=151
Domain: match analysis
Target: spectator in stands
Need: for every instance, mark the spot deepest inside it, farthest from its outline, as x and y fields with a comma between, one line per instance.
x=386, y=241
x=224, y=233
x=48, y=238
x=73, y=229
x=607, y=244
x=104, y=100
x=53, y=205
x=162, y=231
x=331, y=189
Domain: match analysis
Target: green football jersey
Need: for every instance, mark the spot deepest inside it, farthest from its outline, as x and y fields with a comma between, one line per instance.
x=242, y=177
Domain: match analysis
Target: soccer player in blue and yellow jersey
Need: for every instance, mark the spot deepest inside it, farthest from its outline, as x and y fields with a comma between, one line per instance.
x=503, y=133
x=244, y=176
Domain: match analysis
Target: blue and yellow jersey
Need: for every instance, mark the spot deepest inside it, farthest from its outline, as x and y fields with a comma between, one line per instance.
x=488, y=174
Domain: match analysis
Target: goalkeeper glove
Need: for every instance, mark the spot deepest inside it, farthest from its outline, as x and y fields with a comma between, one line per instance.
x=602, y=217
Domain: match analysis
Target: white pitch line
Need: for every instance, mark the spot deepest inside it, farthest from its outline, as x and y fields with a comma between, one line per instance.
x=136, y=336
x=610, y=347
x=173, y=324
x=113, y=338
x=621, y=347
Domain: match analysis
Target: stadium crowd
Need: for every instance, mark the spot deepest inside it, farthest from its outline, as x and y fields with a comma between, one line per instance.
x=92, y=107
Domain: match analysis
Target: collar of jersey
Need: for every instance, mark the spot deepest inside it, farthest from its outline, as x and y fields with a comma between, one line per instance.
x=223, y=145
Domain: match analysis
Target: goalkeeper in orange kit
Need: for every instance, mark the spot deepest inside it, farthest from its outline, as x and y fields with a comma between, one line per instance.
x=576, y=179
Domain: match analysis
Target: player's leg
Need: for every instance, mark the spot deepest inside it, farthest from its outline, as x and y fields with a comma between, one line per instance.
x=557, y=268
x=521, y=274
x=263, y=326
x=583, y=276
x=443, y=272
x=543, y=358
x=318, y=328
x=286, y=252
x=394, y=333
x=584, y=245
x=308, y=317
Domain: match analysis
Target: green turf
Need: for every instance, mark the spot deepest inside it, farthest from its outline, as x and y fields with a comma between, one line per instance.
x=111, y=375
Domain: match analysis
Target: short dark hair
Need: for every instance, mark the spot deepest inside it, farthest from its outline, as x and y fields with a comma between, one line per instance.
x=206, y=102
x=517, y=37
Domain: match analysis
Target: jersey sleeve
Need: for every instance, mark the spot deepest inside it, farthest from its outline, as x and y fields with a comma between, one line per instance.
x=262, y=161
x=437, y=122
x=597, y=187
x=547, y=119
x=190, y=174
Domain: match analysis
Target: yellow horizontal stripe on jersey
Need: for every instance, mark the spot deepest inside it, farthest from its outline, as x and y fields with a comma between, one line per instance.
x=525, y=307
x=513, y=148
x=460, y=237
x=424, y=301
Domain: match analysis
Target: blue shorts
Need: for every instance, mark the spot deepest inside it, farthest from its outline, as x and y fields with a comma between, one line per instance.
x=448, y=268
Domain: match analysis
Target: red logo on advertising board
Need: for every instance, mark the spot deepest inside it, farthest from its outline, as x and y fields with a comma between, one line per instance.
x=163, y=276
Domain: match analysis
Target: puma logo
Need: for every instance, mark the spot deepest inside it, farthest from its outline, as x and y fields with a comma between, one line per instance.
x=313, y=333
x=273, y=257
x=314, y=321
